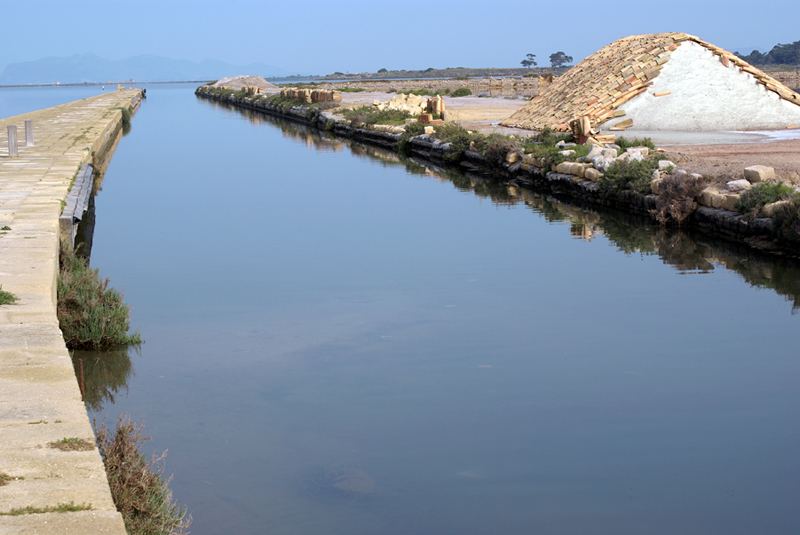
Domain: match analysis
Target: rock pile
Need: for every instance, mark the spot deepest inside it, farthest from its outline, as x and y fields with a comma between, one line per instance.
x=238, y=83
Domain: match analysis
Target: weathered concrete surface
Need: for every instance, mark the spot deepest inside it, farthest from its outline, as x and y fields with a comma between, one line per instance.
x=40, y=400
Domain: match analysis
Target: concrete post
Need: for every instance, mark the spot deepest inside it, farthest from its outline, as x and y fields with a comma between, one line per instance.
x=29, y=133
x=12, y=140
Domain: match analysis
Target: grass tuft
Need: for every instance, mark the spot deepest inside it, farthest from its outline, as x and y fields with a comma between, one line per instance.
x=138, y=487
x=91, y=315
x=72, y=444
x=7, y=298
x=70, y=507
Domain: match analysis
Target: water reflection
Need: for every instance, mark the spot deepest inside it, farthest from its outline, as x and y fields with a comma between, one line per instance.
x=689, y=252
x=105, y=374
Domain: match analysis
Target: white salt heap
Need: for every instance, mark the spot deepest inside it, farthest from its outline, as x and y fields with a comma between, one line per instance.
x=706, y=95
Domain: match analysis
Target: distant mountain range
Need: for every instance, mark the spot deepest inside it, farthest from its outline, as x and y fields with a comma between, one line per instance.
x=82, y=68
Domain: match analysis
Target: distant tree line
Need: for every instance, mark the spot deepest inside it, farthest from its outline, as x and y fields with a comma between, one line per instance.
x=779, y=55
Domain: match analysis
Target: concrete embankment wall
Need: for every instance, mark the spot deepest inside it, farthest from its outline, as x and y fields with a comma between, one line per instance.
x=40, y=400
x=757, y=232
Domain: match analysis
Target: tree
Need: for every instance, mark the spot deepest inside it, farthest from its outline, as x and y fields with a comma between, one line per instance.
x=559, y=59
x=529, y=61
x=381, y=71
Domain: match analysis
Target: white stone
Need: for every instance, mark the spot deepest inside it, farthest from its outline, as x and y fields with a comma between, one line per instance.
x=738, y=185
x=665, y=164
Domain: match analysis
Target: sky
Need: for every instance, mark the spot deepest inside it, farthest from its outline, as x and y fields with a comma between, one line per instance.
x=316, y=37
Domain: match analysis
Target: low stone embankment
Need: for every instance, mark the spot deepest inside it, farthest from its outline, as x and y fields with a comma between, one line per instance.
x=577, y=179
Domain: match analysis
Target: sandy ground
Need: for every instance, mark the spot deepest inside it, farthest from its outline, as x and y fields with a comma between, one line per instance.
x=722, y=155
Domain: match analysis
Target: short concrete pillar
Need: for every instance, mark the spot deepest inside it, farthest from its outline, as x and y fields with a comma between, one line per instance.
x=12, y=140
x=29, y=133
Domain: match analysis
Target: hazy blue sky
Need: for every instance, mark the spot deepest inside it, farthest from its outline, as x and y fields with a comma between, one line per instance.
x=314, y=37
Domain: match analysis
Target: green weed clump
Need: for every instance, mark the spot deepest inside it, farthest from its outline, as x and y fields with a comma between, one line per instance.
x=138, y=486
x=426, y=92
x=350, y=89
x=91, y=315
x=753, y=200
x=7, y=298
x=461, y=92
x=629, y=175
x=368, y=115
x=625, y=143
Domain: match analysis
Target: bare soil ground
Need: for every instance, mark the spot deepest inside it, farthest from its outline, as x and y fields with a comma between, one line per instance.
x=727, y=162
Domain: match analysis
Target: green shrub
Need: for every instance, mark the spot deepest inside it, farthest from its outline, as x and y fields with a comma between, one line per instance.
x=6, y=298
x=138, y=487
x=631, y=174
x=370, y=115
x=624, y=143
x=91, y=315
x=786, y=221
x=350, y=89
x=753, y=200
x=459, y=140
x=461, y=92
x=411, y=130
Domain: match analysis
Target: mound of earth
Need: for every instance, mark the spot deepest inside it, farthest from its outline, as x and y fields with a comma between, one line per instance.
x=239, y=82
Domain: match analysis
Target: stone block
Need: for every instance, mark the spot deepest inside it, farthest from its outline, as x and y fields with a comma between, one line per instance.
x=654, y=184
x=429, y=130
x=563, y=168
x=729, y=201
x=758, y=173
x=513, y=157
x=706, y=197
x=769, y=209
x=590, y=173
x=425, y=118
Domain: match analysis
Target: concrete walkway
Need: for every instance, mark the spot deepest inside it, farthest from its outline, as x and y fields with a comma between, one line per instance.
x=40, y=400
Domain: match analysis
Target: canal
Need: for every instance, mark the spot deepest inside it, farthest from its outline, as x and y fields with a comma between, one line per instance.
x=341, y=342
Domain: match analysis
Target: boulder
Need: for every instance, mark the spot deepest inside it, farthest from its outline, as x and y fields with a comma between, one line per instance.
x=665, y=164
x=758, y=173
x=769, y=209
x=738, y=185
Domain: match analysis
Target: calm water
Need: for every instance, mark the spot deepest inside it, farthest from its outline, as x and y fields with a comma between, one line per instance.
x=485, y=363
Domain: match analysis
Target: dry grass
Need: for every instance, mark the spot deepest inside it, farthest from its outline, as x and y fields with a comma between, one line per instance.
x=72, y=444
x=675, y=201
x=140, y=491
